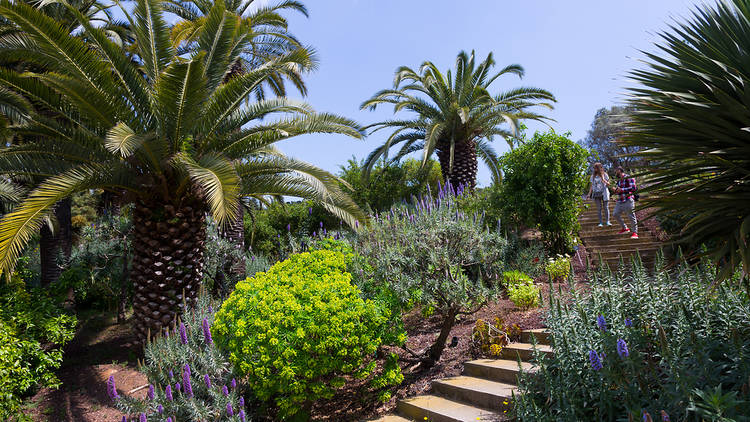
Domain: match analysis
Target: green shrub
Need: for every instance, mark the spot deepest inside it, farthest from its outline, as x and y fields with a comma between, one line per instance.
x=165, y=359
x=643, y=342
x=515, y=277
x=432, y=255
x=542, y=186
x=296, y=331
x=524, y=294
x=559, y=268
x=33, y=329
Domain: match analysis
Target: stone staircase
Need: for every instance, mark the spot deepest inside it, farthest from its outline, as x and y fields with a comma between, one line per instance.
x=483, y=393
x=611, y=246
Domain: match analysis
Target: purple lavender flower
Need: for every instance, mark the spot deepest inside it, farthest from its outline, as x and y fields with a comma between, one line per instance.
x=356, y=224
x=150, y=394
x=186, y=369
x=169, y=419
x=207, y=379
x=166, y=333
x=242, y=415
x=622, y=348
x=309, y=211
x=177, y=387
x=112, y=388
x=225, y=390
x=183, y=334
x=233, y=383
x=124, y=419
x=168, y=392
x=211, y=308
x=242, y=402
x=628, y=322
x=314, y=234
x=171, y=374
x=596, y=363
x=186, y=382
x=160, y=409
x=601, y=323
x=142, y=418
x=321, y=224
x=230, y=412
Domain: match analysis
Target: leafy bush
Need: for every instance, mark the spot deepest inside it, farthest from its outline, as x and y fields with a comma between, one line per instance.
x=515, y=277
x=432, y=255
x=542, y=185
x=489, y=339
x=525, y=294
x=558, y=268
x=33, y=329
x=653, y=343
x=299, y=330
x=204, y=390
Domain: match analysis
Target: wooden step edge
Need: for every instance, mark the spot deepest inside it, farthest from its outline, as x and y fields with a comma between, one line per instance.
x=477, y=392
x=440, y=409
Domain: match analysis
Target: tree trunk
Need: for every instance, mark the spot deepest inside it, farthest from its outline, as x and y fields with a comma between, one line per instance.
x=234, y=265
x=122, y=300
x=436, y=350
x=52, y=243
x=464, y=172
x=167, y=253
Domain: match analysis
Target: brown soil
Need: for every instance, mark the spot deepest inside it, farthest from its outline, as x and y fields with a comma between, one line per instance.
x=100, y=348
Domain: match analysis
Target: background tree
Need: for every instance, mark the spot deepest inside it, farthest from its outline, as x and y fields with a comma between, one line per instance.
x=455, y=116
x=542, y=186
x=170, y=134
x=604, y=136
x=691, y=118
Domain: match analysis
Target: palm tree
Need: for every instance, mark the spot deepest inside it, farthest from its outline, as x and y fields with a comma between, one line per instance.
x=53, y=241
x=455, y=115
x=691, y=118
x=170, y=134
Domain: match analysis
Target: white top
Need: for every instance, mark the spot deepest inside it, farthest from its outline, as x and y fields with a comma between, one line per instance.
x=605, y=179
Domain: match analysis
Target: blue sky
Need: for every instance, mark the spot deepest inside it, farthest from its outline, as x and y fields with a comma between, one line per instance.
x=580, y=50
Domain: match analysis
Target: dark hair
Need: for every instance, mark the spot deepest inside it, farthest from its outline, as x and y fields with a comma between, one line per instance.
x=620, y=169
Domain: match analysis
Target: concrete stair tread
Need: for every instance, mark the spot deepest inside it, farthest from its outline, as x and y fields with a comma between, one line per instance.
x=528, y=346
x=541, y=335
x=501, y=363
x=481, y=385
x=439, y=409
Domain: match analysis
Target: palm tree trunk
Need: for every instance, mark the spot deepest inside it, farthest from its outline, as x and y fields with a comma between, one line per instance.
x=167, y=253
x=52, y=243
x=234, y=265
x=464, y=172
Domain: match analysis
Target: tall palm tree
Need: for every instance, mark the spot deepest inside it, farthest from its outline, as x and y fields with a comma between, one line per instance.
x=455, y=115
x=690, y=121
x=170, y=134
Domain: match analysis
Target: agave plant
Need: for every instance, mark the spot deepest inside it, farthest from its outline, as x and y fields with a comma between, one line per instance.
x=455, y=115
x=691, y=118
x=170, y=133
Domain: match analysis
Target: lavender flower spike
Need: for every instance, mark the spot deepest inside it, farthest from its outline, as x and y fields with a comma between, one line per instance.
x=168, y=392
x=628, y=322
x=186, y=382
x=160, y=409
x=233, y=383
x=596, y=363
x=142, y=418
x=150, y=394
x=183, y=334
x=112, y=388
x=225, y=390
x=177, y=387
x=186, y=369
x=242, y=415
x=622, y=348
x=207, y=379
x=171, y=374
x=601, y=323
x=124, y=419
x=230, y=412
x=242, y=402
x=169, y=419
x=207, y=332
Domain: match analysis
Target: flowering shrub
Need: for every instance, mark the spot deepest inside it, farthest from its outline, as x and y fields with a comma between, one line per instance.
x=190, y=379
x=33, y=329
x=488, y=339
x=298, y=331
x=430, y=254
x=636, y=346
x=559, y=268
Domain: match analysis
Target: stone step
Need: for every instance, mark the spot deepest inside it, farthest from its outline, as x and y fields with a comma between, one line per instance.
x=619, y=239
x=440, y=409
x=541, y=335
x=499, y=370
x=390, y=418
x=524, y=350
x=476, y=391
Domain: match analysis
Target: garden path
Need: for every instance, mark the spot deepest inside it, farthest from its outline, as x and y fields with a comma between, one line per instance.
x=611, y=246
x=483, y=393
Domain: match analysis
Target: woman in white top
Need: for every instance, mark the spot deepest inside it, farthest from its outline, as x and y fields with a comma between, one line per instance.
x=599, y=191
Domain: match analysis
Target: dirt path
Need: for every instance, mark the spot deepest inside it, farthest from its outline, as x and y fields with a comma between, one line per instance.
x=100, y=348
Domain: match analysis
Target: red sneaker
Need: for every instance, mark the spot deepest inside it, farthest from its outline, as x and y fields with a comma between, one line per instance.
x=623, y=231
x=634, y=236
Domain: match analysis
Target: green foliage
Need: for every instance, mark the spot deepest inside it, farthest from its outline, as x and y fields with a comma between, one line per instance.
x=487, y=202
x=296, y=331
x=515, y=277
x=83, y=209
x=558, y=268
x=165, y=358
x=684, y=339
x=389, y=184
x=602, y=139
x=488, y=339
x=434, y=256
x=698, y=167
x=542, y=185
x=95, y=272
x=33, y=329
x=525, y=294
